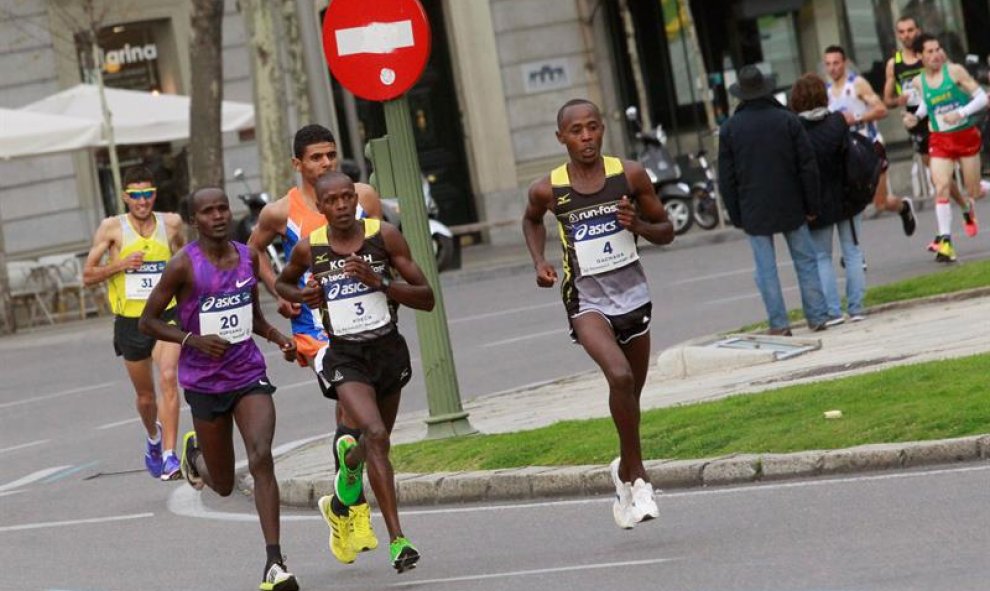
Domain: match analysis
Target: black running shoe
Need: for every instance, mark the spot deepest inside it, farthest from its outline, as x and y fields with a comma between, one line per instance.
x=907, y=216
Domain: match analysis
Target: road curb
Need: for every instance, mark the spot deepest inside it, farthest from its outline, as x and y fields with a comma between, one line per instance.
x=540, y=482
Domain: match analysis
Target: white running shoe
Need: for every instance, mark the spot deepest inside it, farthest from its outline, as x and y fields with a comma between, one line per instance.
x=622, y=508
x=644, y=501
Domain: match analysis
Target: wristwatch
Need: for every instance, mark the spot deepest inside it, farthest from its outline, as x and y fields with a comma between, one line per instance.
x=386, y=283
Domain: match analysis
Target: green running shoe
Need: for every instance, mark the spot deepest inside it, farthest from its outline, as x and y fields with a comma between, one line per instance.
x=403, y=554
x=348, y=481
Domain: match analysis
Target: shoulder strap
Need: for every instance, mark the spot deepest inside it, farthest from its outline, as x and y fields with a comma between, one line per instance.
x=318, y=237
x=898, y=57
x=371, y=227
x=559, y=176
x=613, y=166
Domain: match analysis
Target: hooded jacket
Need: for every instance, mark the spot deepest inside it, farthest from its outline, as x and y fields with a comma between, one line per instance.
x=829, y=135
x=767, y=172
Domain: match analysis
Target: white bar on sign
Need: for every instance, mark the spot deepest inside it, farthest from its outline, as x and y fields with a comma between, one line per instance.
x=374, y=38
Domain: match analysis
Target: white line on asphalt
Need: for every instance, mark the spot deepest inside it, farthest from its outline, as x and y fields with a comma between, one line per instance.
x=74, y=522
x=535, y=335
x=747, y=296
x=23, y=445
x=55, y=395
x=184, y=408
x=723, y=274
x=502, y=312
x=34, y=476
x=187, y=502
x=536, y=571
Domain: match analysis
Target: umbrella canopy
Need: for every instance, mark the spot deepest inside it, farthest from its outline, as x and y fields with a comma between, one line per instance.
x=139, y=117
x=25, y=133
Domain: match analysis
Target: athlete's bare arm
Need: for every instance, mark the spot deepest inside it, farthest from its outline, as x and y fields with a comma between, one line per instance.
x=174, y=231
x=287, y=284
x=107, y=240
x=865, y=92
x=415, y=293
x=967, y=83
x=260, y=324
x=649, y=218
x=272, y=223
x=369, y=199
x=890, y=96
x=539, y=202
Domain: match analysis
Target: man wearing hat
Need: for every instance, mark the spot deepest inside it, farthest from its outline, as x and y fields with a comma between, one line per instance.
x=768, y=177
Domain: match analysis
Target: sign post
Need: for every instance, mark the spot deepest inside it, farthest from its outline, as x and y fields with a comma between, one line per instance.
x=378, y=52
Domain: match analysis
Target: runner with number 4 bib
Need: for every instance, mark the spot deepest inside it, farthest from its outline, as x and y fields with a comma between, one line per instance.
x=950, y=99
x=221, y=369
x=366, y=361
x=602, y=204
x=139, y=243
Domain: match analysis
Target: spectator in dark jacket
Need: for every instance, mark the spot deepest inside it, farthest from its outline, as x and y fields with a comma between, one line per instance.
x=768, y=177
x=829, y=137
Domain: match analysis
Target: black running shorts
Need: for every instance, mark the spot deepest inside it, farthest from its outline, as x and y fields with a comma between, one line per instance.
x=919, y=136
x=625, y=326
x=132, y=344
x=383, y=363
x=881, y=151
x=206, y=406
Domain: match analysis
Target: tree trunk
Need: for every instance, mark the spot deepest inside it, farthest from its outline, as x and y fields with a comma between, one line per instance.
x=299, y=80
x=269, y=99
x=206, y=94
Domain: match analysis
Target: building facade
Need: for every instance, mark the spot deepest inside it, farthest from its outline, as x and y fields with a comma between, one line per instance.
x=484, y=111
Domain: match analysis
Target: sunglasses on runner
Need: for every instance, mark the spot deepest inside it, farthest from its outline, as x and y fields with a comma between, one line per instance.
x=141, y=193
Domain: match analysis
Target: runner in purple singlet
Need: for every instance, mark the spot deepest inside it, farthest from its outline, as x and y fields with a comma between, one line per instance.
x=221, y=369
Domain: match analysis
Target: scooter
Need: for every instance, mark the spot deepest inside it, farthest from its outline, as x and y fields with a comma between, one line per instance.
x=706, y=211
x=255, y=202
x=664, y=172
x=444, y=244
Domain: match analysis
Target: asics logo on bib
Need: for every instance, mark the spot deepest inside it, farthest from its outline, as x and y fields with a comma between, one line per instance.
x=152, y=267
x=593, y=230
x=344, y=290
x=602, y=210
x=225, y=301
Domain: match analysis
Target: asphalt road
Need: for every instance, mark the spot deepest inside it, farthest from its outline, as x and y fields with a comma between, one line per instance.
x=79, y=515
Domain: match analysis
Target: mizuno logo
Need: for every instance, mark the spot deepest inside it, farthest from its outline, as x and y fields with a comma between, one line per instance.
x=564, y=199
x=240, y=284
x=321, y=259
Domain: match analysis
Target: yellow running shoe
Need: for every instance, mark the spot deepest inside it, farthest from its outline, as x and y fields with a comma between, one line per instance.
x=946, y=252
x=364, y=536
x=340, y=531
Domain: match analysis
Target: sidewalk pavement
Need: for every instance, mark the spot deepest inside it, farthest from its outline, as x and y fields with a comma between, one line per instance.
x=893, y=334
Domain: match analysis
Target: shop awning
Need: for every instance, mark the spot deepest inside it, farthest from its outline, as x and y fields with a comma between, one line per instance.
x=24, y=133
x=139, y=117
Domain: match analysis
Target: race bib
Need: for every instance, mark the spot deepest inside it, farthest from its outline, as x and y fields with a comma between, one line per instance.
x=139, y=282
x=602, y=245
x=354, y=307
x=943, y=125
x=229, y=316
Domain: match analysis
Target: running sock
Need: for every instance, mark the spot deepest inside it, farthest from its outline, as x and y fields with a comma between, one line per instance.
x=274, y=552
x=156, y=439
x=943, y=213
x=339, y=509
x=168, y=452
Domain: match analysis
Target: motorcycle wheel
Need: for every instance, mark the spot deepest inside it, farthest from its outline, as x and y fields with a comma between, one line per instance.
x=679, y=212
x=705, y=209
x=443, y=249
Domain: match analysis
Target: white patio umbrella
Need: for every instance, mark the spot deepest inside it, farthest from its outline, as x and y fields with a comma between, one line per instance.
x=25, y=133
x=139, y=117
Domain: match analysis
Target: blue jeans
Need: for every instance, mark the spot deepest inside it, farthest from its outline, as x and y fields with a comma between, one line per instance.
x=852, y=255
x=802, y=249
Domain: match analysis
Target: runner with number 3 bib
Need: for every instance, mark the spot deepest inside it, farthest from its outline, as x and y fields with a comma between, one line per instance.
x=602, y=204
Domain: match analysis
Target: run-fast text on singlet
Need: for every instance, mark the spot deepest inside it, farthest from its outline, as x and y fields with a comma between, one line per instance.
x=139, y=282
x=352, y=306
x=229, y=316
x=600, y=242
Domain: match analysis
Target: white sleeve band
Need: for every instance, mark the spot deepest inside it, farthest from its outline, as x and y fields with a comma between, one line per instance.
x=977, y=102
x=922, y=111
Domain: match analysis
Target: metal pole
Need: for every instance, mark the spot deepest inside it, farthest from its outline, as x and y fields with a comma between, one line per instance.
x=107, y=125
x=447, y=417
x=354, y=131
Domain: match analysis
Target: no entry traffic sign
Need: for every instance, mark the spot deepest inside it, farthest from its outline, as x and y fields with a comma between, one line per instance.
x=377, y=50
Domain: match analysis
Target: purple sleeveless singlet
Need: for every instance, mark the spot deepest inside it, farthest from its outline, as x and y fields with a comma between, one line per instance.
x=221, y=300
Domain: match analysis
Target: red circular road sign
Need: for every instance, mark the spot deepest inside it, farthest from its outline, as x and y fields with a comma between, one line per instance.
x=377, y=50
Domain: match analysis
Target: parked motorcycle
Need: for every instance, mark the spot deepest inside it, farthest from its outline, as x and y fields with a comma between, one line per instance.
x=664, y=173
x=255, y=202
x=704, y=195
x=444, y=245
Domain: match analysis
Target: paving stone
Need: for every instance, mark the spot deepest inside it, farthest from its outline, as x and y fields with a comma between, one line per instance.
x=463, y=487
x=513, y=484
x=598, y=480
x=741, y=468
x=941, y=452
x=793, y=465
x=881, y=456
x=984, y=443
x=296, y=492
x=676, y=473
x=567, y=481
x=420, y=490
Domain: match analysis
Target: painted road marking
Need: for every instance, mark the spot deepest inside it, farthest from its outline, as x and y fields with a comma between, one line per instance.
x=92, y=520
x=553, y=304
x=535, y=335
x=33, y=477
x=23, y=445
x=536, y=571
x=55, y=395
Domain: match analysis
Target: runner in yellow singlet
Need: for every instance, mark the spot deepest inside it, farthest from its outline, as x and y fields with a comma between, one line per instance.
x=139, y=243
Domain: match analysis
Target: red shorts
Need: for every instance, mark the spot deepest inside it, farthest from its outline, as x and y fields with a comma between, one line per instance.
x=953, y=145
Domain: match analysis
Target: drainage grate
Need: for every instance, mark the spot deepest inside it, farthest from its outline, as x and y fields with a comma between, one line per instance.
x=782, y=348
